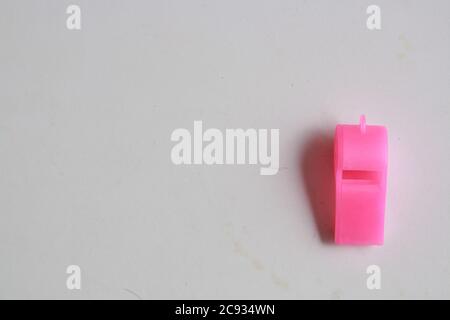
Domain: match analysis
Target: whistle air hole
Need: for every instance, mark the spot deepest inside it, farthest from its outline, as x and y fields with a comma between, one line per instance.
x=361, y=175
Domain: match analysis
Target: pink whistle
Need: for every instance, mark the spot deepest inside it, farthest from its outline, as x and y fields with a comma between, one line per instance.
x=360, y=165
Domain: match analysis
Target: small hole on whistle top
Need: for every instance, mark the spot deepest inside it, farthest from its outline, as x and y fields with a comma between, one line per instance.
x=360, y=175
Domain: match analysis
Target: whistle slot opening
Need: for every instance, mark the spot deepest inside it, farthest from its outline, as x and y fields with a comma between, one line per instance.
x=359, y=175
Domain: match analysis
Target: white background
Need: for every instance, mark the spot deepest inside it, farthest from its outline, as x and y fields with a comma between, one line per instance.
x=85, y=170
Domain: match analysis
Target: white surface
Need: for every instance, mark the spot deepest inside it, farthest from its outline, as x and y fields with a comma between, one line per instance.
x=85, y=124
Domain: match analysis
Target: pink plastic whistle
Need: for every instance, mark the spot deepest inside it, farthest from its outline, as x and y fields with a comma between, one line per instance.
x=360, y=165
